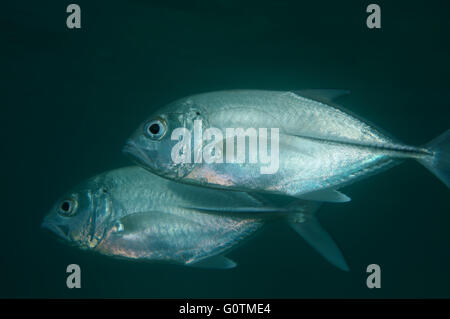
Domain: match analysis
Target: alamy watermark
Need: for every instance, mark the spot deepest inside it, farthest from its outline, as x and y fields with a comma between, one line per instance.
x=208, y=146
x=74, y=279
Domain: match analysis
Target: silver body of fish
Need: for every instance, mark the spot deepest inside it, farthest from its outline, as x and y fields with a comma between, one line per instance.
x=134, y=214
x=321, y=147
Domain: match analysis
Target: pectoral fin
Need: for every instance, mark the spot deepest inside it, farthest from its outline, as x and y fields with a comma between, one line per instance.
x=141, y=221
x=326, y=195
x=214, y=262
x=238, y=210
x=320, y=240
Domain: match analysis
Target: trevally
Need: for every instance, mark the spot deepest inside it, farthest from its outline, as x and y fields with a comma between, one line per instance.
x=134, y=214
x=313, y=147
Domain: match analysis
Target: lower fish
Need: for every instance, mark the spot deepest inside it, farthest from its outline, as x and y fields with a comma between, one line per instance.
x=134, y=214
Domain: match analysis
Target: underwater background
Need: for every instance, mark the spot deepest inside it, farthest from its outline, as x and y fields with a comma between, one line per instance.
x=71, y=97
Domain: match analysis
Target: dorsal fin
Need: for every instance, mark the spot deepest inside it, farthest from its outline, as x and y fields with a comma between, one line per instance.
x=322, y=95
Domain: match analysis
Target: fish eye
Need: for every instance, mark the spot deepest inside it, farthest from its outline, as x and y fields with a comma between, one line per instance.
x=155, y=129
x=67, y=207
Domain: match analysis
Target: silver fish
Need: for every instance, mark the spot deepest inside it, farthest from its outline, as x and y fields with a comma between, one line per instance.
x=132, y=213
x=321, y=147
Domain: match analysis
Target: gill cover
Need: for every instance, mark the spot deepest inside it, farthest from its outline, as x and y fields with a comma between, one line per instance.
x=190, y=141
x=101, y=214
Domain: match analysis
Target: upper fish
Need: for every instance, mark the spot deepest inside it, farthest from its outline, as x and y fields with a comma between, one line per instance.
x=319, y=147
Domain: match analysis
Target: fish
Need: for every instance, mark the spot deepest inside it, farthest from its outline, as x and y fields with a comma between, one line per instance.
x=132, y=214
x=321, y=148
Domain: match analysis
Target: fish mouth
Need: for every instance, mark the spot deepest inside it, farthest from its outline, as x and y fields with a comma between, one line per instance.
x=136, y=153
x=60, y=231
x=129, y=148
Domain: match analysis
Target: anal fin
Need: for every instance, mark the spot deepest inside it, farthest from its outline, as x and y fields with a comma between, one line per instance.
x=214, y=262
x=326, y=195
x=313, y=233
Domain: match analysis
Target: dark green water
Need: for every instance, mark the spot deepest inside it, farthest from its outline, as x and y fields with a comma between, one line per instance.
x=70, y=98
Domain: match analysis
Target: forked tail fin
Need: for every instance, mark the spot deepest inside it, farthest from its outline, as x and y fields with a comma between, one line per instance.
x=439, y=162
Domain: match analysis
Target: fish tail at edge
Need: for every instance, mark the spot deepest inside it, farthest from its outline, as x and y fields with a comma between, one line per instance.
x=439, y=161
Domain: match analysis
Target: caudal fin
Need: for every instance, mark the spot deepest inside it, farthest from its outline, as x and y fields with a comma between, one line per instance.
x=439, y=162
